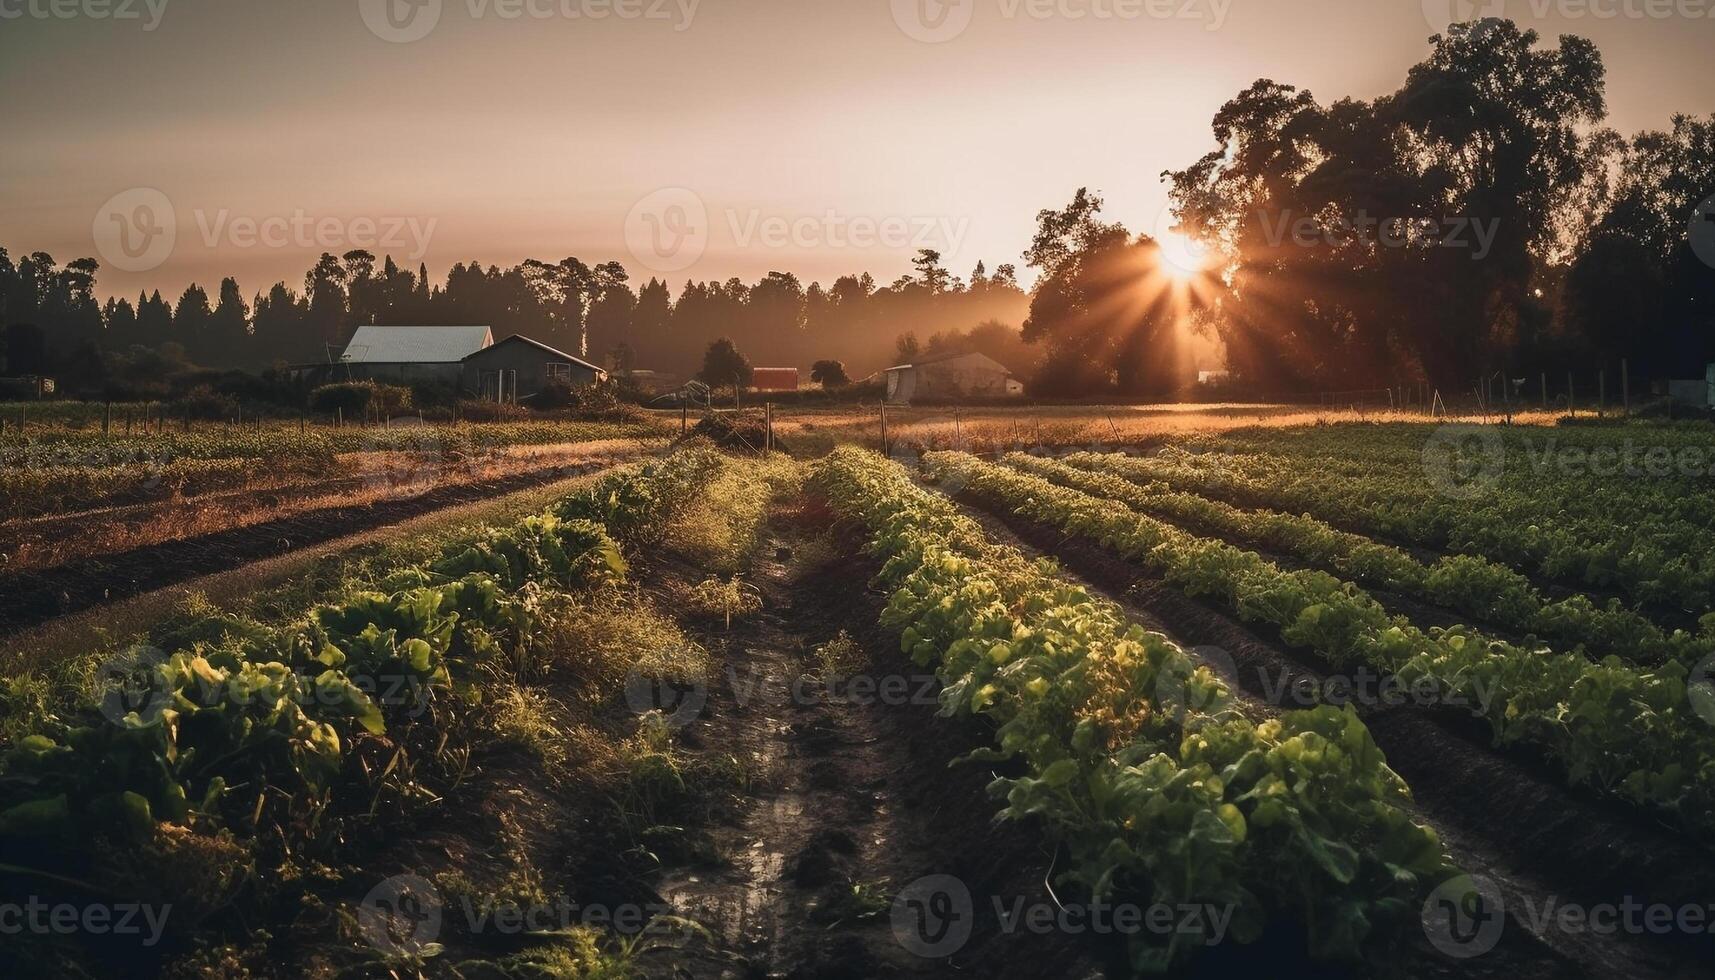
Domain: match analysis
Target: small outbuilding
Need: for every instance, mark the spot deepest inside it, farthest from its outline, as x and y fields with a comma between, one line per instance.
x=774, y=379
x=969, y=375
x=518, y=368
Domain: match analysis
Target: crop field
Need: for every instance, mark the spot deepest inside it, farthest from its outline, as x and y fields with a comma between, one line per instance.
x=1015, y=693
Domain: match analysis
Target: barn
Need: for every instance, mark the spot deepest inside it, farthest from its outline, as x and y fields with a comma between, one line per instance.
x=405, y=355
x=969, y=375
x=517, y=369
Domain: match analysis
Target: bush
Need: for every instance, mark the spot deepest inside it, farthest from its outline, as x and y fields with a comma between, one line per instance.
x=588, y=402
x=203, y=402
x=354, y=397
x=471, y=410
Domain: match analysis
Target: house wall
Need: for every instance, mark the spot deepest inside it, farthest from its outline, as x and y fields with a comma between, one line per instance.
x=955, y=378
x=530, y=362
x=398, y=374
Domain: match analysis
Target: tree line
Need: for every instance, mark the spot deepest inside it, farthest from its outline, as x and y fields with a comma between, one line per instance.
x=55, y=324
x=1478, y=220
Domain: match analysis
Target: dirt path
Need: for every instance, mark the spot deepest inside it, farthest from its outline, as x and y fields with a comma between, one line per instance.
x=34, y=597
x=852, y=802
x=1509, y=820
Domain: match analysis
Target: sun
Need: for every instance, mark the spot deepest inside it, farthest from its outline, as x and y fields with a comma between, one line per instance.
x=1182, y=258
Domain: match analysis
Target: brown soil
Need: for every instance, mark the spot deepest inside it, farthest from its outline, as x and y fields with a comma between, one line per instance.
x=1505, y=817
x=853, y=799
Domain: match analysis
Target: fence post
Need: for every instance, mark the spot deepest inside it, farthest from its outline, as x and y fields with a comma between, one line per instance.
x=884, y=427
x=1571, y=396
x=1626, y=386
x=1601, y=392
x=1545, y=391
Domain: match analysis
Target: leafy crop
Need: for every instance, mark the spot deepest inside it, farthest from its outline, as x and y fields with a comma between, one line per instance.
x=1138, y=760
x=1621, y=729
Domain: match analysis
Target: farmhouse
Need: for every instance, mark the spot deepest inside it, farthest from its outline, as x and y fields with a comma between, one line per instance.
x=951, y=376
x=518, y=368
x=403, y=355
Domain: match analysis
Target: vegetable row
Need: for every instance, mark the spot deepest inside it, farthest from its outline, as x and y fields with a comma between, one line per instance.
x=1138, y=760
x=275, y=725
x=1638, y=734
x=1469, y=584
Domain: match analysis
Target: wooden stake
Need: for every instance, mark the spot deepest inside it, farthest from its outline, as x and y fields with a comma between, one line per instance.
x=1571, y=396
x=1626, y=386
x=884, y=428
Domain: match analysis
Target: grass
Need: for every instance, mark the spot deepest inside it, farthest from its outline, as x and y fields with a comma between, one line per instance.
x=605, y=638
x=839, y=657
x=720, y=531
x=724, y=598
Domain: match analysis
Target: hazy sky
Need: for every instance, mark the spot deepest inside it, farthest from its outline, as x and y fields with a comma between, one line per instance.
x=818, y=136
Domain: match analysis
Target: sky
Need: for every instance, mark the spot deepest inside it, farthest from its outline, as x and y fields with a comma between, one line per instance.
x=187, y=140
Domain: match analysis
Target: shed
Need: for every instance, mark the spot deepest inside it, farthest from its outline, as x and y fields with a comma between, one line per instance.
x=774, y=379
x=407, y=354
x=518, y=368
x=951, y=376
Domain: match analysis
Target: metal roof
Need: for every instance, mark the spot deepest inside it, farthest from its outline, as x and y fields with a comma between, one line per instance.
x=415, y=345
x=562, y=355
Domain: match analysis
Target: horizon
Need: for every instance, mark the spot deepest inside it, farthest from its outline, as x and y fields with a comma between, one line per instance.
x=839, y=173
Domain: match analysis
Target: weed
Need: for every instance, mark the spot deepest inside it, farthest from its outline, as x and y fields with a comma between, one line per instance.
x=714, y=597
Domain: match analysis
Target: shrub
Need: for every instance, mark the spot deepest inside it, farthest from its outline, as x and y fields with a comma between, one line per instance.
x=203, y=402
x=354, y=397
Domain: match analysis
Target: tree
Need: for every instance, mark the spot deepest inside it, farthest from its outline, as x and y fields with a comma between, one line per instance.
x=1485, y=146
x=228, y=343
x=724, y=365
x=906, y=348
x=829, y=374
x=191, y=322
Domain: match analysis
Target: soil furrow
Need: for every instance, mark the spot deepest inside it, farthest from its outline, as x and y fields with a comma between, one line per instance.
x=34, y=597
